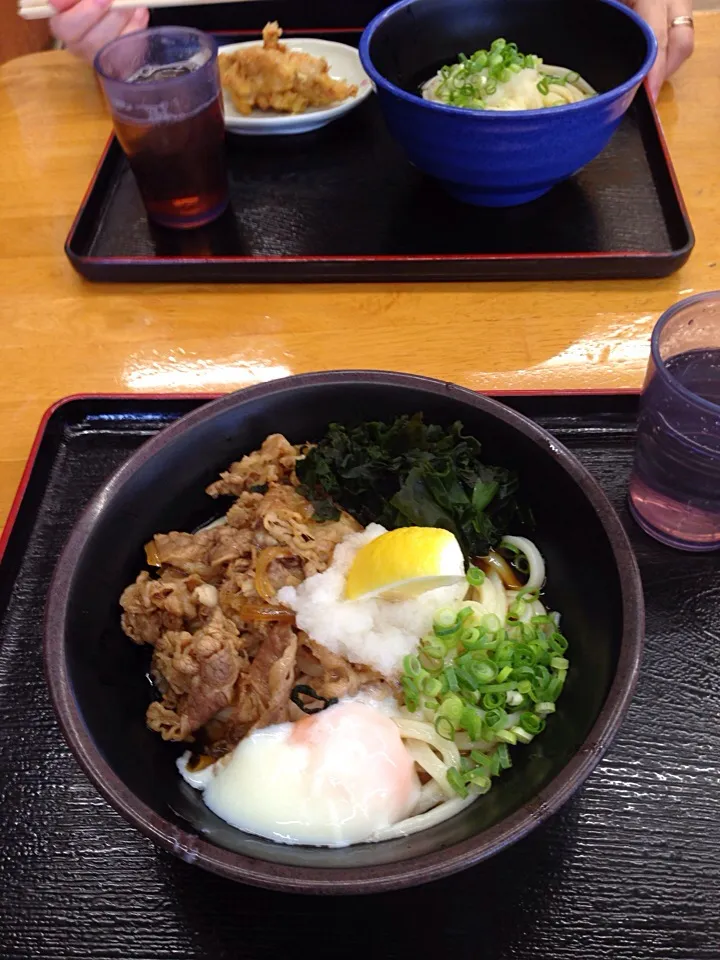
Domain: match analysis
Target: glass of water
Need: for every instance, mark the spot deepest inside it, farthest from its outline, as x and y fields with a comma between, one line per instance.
x=675, y=484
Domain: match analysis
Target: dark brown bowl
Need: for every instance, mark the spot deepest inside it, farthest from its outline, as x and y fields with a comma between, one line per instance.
x=97, y=676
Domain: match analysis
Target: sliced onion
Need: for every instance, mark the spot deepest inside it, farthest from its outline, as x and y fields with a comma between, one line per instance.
x=263, y=586
x=151, y=554
x=257, y=611
x=493, y=561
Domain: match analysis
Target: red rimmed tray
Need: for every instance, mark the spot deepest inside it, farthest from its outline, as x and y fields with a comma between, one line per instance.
x=560, y=894
x=344, y=204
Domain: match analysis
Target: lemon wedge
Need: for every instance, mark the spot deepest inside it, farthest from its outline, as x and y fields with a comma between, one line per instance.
x=404, y=563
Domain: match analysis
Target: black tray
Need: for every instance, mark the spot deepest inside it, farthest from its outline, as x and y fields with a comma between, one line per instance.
x=343, y=203
x=628, y=870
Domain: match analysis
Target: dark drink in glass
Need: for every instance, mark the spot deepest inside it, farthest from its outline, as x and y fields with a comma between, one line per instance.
x=675, y=484
x=163, y=89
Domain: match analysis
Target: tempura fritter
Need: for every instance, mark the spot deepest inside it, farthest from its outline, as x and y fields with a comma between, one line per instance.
x=273, y=77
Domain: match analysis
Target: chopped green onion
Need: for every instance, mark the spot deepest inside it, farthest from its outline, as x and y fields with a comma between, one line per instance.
x=444, y=622
x=479, y=779
x=434, y=649
x=529, y=596
x=465, y=678
x=496, y=718
x=445, y=728
x=452, y=707
x=431, y=686
x=475, y=576
x=522, y=735
x=411, y=666
x=493, y=700
x=532, y=723
x=513, y=698
x=553, y=690
x=524, y=656
x=542, y=674
x=503, y=755
x=470, y=638
x=484, y=671
x=457, y=782
x=472, y=721
x=540, y=618
x=504, y=652
x=557, y=643
x=494, y=685
x=497, y=687
x=481, y=759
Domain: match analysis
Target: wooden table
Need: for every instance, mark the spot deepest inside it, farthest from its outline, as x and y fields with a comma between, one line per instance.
x=61, y=335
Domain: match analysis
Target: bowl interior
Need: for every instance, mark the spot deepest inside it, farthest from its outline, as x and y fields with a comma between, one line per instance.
x=107, y=672
x=595, y=39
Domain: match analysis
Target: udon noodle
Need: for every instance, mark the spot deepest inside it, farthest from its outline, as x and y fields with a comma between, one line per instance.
x=504, y=79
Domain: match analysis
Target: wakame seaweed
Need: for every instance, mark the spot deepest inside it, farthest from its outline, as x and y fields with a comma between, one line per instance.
x=409, y=473
x=303, y=690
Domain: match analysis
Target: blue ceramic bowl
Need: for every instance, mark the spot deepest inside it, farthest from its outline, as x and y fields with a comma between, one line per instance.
x=494, y=158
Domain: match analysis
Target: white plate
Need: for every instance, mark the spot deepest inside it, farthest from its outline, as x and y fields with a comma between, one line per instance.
x=344, y=63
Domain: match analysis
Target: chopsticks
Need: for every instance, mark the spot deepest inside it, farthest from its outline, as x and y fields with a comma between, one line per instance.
x=40, y=10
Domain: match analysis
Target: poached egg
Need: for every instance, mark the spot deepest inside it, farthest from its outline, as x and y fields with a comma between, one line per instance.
x=332, y=779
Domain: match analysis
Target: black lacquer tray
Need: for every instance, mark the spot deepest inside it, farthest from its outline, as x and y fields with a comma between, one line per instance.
x=628, y=870
x=343, y=203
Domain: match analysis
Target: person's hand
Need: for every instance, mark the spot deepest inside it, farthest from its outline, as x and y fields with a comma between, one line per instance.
x=675, y=43
x=84, y=26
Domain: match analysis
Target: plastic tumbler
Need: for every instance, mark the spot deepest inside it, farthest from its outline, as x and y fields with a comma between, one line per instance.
x=675, y=484
x=163, y=89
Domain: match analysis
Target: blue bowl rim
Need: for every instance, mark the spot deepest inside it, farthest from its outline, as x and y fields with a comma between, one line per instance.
x=603, y=98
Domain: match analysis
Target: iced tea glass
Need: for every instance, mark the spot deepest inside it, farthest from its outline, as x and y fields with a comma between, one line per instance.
x=163, y=89
x=675, y=484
